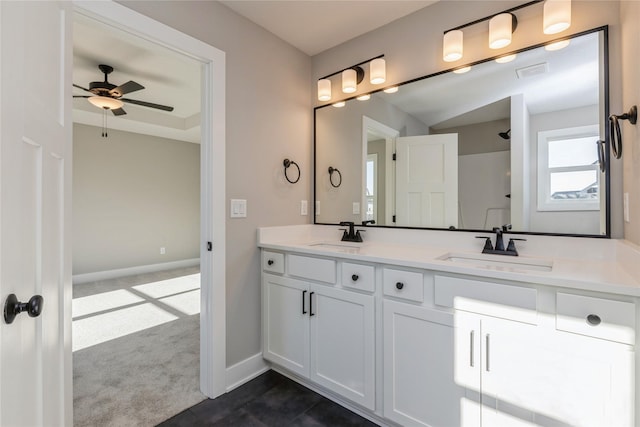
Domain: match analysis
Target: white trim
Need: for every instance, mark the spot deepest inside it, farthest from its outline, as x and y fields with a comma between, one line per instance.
x=78, y=279
x=246, y=370
x=212, y=229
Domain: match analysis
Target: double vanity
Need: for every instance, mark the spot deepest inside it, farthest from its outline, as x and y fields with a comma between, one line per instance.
x=419, y=328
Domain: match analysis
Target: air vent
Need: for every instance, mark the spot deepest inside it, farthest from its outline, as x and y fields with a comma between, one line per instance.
x=532, y=70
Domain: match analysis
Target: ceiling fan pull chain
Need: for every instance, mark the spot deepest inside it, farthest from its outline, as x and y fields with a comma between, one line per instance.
x=104, y=123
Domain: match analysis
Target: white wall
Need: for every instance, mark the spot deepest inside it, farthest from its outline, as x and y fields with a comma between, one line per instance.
x=133, y=194
x=268, y=119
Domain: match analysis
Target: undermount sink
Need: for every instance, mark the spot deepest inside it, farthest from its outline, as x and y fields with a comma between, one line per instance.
x=337, y=247
x=499, y=262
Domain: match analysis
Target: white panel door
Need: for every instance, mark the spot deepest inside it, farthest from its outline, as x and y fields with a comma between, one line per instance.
x=35, y=156
x=423, y=356
x=427, y=181
x=285, y=322
x=343, y=343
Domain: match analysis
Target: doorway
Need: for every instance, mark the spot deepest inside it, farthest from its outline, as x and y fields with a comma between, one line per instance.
x=212, y=179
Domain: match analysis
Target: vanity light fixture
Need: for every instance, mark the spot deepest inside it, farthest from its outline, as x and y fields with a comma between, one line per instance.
x=506, y=58
x=324, y=90
x=339, y=104
x=365, y=97
x=352, y=76
x=377, y=71
x=556, y=18
x=392, y=89
x=501, y=27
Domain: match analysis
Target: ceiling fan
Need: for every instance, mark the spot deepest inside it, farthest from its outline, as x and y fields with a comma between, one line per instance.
x=109, y=96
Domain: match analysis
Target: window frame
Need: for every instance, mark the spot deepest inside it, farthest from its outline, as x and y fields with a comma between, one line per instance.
x=545, y=202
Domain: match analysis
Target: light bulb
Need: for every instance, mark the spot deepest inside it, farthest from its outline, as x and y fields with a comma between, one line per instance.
x=452, y=46
x=500, y=30
x=377, y=71
x=324, y=90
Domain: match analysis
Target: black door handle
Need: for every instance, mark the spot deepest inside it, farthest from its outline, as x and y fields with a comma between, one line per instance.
x=13, y=307
x=311, y=313
x=304, y=311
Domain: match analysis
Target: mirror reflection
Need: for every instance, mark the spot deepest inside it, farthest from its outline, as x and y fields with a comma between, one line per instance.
x=509, y=141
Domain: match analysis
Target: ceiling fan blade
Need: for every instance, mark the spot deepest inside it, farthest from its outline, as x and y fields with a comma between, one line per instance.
x=81, y=96
x=80, y=87
x=119, y=112
x=147, y=104
x=128, y=87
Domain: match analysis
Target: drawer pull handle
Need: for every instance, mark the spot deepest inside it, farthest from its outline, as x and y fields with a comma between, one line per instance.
x=399, y=285
x=304, y=311
x=270, y=262
x=311, y=313
x=354, y=277
x=593, y=319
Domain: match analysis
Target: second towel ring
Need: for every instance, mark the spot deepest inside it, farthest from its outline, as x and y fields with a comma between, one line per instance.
x=331, y=171
x=614, y=129
x=288, y=163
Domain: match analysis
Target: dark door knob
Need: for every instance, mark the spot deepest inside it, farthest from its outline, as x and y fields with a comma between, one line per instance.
x=270, y=262
x=13, y=307
x=354, y=277
x=399, y=285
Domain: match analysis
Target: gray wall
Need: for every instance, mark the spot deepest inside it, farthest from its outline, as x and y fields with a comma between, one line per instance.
x=629, y=17
x=413, y=47
x=133, y=194
x=480, y=137
x=268, y=118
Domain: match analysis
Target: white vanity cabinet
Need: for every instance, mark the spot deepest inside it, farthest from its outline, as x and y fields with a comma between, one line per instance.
x=321, y=332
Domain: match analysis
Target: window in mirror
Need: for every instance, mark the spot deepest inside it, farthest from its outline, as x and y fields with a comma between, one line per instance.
x=568, y=176
x=371, y=193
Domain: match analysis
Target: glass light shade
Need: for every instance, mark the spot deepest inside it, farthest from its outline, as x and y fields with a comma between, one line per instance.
x=452, y=46
x=349, y=83
x=557, y=16
x=324, y=90
x=462, y=70
x=364, y=97
x=500, y=30
x=339, y=104
x=392, y=89
x=377, y=71
x=557, y=45
x=506, y=58
x=106, y=102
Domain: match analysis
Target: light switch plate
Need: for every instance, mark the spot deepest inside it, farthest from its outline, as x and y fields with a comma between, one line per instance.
x=303, y=207
x=317, y=207
x=238, y=208
x=625, y=201
x=356, y=208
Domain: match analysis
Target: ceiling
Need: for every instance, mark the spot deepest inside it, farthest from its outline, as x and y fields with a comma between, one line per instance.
x=314, y=26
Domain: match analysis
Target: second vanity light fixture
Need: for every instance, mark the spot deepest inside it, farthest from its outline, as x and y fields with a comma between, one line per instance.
x=354, y=75
x=556, y=18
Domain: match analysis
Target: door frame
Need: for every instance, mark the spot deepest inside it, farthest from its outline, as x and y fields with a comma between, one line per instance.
x=212, y=177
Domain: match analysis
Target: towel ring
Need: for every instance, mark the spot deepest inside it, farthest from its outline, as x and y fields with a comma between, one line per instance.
x=288, y=163
x=614, y=129
x=331, y=171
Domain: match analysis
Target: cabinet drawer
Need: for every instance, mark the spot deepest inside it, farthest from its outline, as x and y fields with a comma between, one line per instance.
x=273, y=262
x=596, y=317
x=403, y=284
x=320, y=269
x=358, y=276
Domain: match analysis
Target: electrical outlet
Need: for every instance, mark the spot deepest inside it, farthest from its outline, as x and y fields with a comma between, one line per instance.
x=303, y=207
x=625, y=201
x=162, y=250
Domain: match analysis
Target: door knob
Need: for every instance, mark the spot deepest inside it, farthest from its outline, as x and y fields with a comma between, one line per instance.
x=13, y=307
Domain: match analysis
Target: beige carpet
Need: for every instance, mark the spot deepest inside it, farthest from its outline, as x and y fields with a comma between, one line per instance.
x=136, y=362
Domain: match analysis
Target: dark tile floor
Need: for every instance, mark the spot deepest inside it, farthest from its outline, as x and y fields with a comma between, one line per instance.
x=269, y=400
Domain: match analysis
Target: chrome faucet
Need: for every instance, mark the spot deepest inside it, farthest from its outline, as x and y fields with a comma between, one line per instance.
x=499, y=247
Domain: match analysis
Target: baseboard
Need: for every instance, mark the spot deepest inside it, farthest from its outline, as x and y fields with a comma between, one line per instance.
x=130, y=271
x=246, y=370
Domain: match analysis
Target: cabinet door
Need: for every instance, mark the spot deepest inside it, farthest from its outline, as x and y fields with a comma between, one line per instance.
x=422, y=351
x=342, y=343
x=285, y=323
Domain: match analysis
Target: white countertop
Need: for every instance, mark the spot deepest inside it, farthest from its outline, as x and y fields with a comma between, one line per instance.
x=602, y=265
